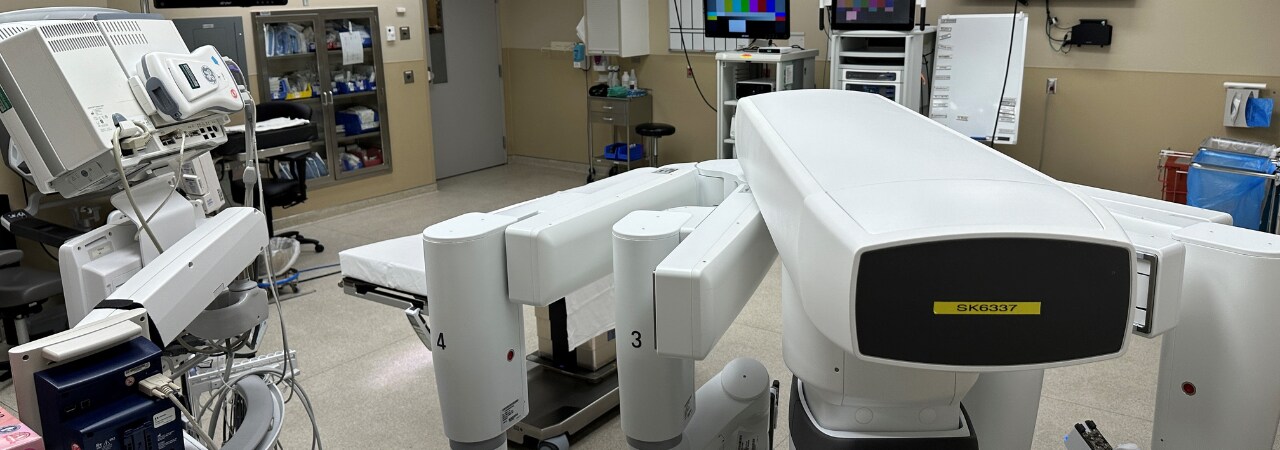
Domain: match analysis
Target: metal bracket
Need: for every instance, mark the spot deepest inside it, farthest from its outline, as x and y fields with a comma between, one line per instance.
x=419, y=324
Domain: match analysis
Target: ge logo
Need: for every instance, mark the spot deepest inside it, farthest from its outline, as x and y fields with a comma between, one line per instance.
x=9, y=429
x=208, y=74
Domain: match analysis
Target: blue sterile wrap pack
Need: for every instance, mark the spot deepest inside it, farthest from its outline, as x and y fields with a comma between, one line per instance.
x=1257, y=112
x=1243, y=196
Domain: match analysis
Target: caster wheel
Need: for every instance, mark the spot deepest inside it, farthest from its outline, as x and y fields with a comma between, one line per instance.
x=614, y=171
x=319, y=248
x=560, y=442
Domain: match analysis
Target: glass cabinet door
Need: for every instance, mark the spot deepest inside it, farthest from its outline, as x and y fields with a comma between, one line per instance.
x=290, y=69
x=354, y=97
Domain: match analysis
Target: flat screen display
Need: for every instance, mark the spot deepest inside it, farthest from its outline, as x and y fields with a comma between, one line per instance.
x=873, y=14
x=748, y=19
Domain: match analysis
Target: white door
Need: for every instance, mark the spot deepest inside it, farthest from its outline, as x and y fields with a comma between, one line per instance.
x=466, y=85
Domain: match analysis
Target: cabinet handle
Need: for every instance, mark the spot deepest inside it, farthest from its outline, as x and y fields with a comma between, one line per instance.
x=607, y=108
x=607, y=119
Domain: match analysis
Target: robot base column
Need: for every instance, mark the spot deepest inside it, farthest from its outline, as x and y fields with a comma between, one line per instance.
x=656, y=394
x=477, y=333
x=841, y=402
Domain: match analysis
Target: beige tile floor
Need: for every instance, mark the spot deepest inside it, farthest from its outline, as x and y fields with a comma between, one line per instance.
x=372, y=384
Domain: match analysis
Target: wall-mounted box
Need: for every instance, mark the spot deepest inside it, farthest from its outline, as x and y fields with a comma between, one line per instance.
x=617, y=27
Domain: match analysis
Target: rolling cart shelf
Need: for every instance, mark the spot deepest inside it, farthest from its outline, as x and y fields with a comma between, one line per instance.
x=619, y=117
x=637, y=163
x=775, y=72
x=894, y=64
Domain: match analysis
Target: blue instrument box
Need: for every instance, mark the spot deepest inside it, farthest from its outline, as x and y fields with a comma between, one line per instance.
x=99, y=396
x=611, y=150
x=621, y=152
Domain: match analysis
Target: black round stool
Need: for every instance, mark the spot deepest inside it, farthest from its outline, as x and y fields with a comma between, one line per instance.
x=655, y=131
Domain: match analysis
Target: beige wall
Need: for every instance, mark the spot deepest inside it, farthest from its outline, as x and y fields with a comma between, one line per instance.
x=1159, y=86
x=408, y=104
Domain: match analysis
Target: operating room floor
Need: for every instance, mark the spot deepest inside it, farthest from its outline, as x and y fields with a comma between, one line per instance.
x=372, y=384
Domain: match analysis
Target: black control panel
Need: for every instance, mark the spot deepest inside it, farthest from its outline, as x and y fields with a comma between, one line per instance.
x=993, y=301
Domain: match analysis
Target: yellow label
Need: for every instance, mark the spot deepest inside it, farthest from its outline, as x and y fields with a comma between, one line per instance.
x=987, y=308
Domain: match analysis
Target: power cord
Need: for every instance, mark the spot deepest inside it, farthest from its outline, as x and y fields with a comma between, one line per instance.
x=161, y=386
x=689, y=64
x=287, y=367
x=1004, y=86
x=1050, y=23
x=118, y=152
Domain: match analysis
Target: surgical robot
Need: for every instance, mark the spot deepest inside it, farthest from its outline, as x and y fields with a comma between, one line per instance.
x=98, y=100
x=928, y=281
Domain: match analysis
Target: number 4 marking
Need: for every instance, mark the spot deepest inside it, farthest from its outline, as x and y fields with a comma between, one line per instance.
x=440, y=341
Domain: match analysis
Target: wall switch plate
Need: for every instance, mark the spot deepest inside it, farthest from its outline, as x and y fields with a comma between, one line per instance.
x=1052, y=86
x=796, y=40
x=391, y=33
x=408, y=77
x=404, y=33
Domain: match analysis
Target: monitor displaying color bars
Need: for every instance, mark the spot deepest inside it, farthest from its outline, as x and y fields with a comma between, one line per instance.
x=873, y=14
x=750, y=19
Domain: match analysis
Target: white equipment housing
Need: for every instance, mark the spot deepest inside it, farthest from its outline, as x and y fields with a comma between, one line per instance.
x=178, y=285
x=854, y=221
x=157, y=303
x=65, y=84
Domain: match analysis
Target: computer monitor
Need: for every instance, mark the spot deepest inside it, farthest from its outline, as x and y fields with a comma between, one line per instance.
x=873, y=14
x=748, y=19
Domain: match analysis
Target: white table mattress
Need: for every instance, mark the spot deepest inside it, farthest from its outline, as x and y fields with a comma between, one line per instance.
x=396, y=264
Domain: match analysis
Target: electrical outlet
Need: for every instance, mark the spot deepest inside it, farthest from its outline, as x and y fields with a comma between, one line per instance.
x=391, y=33
x=688, y=72
x=1052, y=86
x=404, y=33
x=408, y=77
